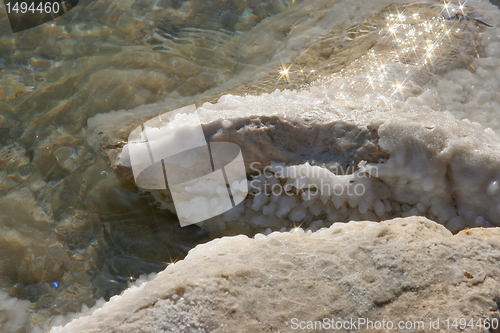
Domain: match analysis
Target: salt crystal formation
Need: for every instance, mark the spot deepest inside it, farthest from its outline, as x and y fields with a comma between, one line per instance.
x=408, y=269
x=363, y=142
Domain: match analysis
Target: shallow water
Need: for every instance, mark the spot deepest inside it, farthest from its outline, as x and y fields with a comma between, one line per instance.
x=73, y=229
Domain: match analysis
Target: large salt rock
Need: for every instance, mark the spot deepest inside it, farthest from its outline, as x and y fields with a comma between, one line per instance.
x=372, y=109
x=406, y=269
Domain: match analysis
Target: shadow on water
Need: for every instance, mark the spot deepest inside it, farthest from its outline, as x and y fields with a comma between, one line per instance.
x=141, y=242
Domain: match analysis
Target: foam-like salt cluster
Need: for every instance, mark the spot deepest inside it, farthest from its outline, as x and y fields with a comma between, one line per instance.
x=417, y=166
x=393, y=270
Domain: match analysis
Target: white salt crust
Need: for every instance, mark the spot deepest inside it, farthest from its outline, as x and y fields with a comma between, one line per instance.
x=402, y=269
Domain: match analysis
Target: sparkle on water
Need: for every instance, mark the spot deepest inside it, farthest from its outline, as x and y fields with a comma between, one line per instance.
x=415, y=40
